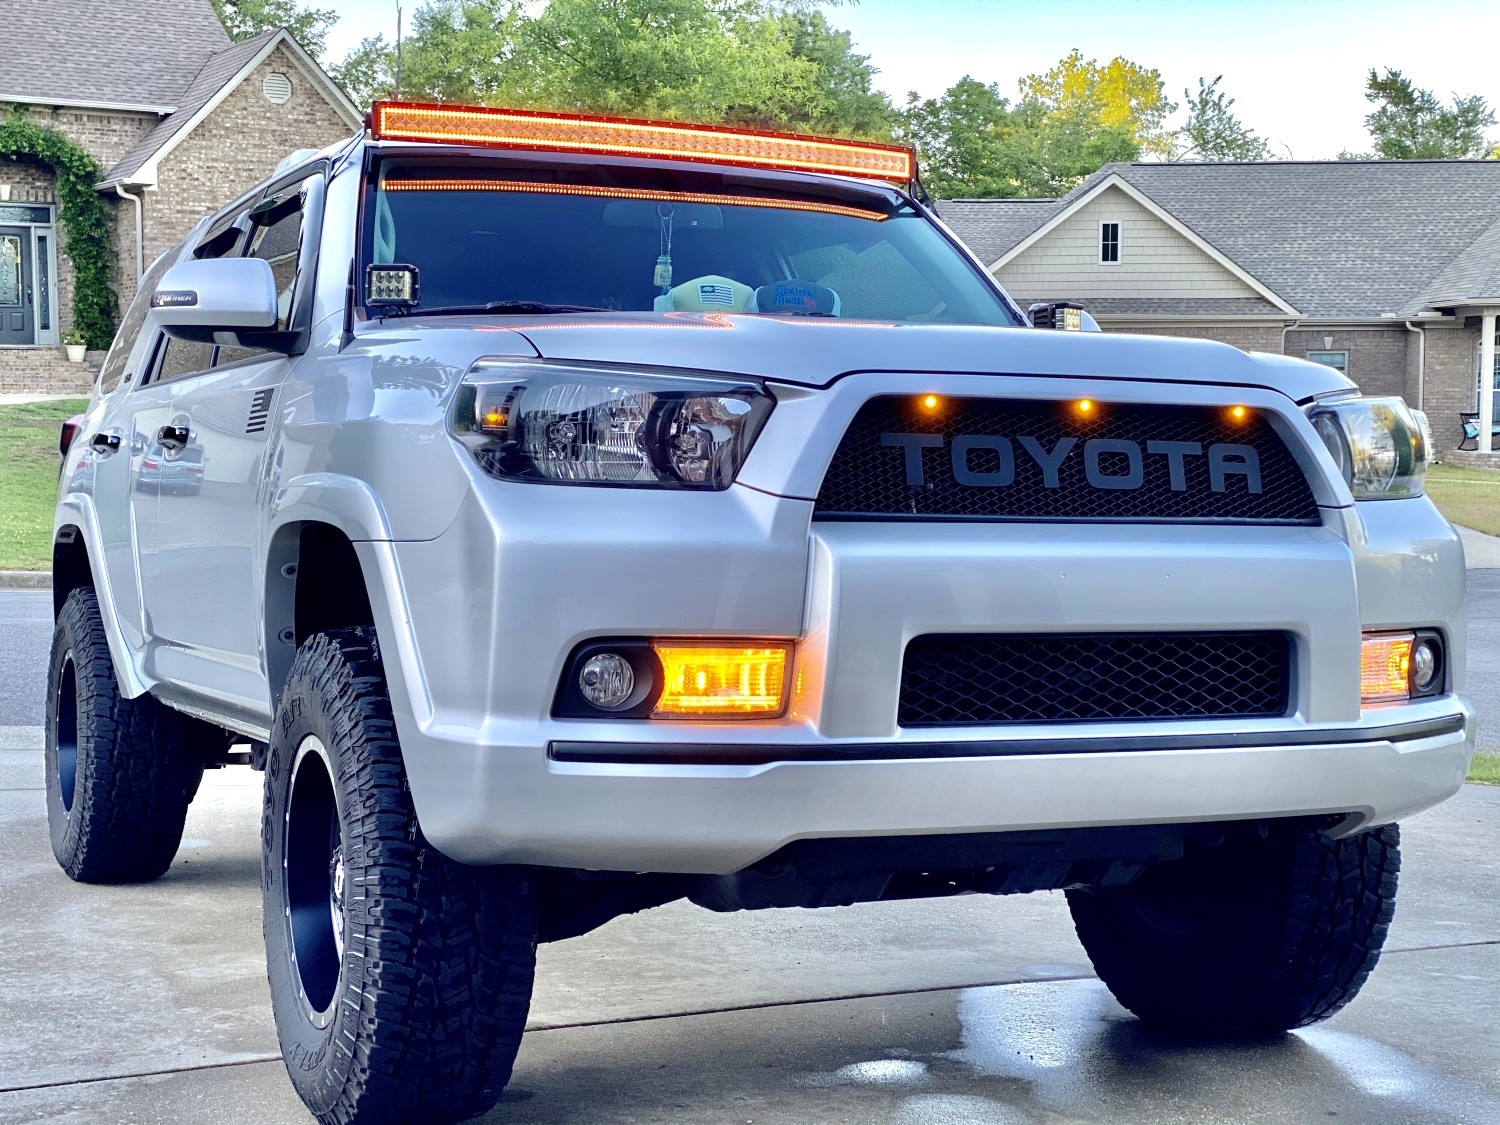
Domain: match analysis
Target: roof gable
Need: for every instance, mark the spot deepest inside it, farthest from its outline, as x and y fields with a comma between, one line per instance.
x=214, y=82
x=102, y=53
x=1334, y=239
x=1183, y=259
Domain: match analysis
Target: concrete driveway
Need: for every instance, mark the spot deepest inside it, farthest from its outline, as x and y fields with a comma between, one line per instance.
x=148, y=1004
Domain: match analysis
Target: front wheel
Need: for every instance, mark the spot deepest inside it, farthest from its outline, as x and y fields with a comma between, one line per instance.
x=400, y=980
x=1256, y=933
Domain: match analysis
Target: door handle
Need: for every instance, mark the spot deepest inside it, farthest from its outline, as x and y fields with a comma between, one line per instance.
x=105, y=443
x=173, y=437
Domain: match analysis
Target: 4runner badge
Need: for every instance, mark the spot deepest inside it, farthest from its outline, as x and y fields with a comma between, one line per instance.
x=1125, y=469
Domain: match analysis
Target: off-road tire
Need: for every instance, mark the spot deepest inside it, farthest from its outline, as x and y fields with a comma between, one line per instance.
x=1257, y=934
x=120, y=773
x=435, y=975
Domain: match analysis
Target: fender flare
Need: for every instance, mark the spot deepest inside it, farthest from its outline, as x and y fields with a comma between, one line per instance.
x=351, y=506
x=76, y=509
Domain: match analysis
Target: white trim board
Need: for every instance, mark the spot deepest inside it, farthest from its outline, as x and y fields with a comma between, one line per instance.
x=1115, y=180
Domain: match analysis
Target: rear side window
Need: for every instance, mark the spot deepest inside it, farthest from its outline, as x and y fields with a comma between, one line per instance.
x=181, y=357
x=130, y=328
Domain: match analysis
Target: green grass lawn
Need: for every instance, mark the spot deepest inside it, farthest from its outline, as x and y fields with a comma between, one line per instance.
x=1485, y=768
x=28, y=480
x=1468, y=497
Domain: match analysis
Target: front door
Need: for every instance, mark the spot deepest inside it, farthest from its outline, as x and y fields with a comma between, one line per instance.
x=17, y=322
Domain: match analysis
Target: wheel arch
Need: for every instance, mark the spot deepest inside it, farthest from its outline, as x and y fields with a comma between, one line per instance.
x=314, y=578
x=77, y=560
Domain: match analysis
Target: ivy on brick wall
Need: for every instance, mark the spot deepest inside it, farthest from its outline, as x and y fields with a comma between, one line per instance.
x=84, y=217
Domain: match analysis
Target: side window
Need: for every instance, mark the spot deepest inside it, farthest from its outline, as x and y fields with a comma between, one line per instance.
x=130, y=328
x=176, y=358
x=278, y=242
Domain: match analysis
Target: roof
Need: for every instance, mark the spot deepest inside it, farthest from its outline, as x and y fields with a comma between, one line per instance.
x=104, y=53
x=1334, y=239
x=209, y=80
x=218, y=74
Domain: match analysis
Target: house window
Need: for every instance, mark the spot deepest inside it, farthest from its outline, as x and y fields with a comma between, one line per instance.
x=1109, y=243
x=1339, y=361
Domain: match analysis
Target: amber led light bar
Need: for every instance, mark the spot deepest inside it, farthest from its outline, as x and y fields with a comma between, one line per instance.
x=606, y=136
x=429, y=184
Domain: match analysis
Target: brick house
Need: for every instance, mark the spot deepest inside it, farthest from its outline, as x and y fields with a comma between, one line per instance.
x=181, y=120
x=1388, y=270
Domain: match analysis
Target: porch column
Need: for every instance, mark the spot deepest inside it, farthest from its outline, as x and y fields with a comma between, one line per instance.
x=1486, y=377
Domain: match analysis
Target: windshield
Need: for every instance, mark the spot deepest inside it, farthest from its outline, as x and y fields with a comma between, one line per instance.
x=519, y=240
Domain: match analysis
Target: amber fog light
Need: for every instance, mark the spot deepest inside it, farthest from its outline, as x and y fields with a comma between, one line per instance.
x=1400, y=666
x=746, y=680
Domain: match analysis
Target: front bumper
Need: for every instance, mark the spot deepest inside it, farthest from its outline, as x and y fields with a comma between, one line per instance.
x=477, y=624
x=507, y=804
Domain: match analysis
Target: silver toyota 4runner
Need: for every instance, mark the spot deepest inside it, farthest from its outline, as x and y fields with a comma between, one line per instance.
x=574, y=515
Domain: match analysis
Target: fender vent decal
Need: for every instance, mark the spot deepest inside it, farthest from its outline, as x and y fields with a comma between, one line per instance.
x=260, y=410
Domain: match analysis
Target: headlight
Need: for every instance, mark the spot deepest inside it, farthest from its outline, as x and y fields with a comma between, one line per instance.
x=529, y=421
x=1377, y=444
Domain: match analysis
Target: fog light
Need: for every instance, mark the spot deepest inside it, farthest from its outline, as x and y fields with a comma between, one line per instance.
x=1426, y=666
x=712, y=681
x=606, y=681
x=1385, y=667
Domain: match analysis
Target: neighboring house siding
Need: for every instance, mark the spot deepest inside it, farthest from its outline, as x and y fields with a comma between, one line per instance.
x=239, y=143
x=1155, y=260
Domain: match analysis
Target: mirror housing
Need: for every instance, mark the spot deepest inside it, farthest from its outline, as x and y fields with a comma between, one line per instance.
x=230, y=301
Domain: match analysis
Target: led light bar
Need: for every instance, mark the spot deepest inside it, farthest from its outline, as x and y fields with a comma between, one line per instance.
x=429, y=184
x=617, y=136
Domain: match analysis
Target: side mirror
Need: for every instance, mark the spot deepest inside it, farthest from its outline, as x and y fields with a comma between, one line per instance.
x=216, y=300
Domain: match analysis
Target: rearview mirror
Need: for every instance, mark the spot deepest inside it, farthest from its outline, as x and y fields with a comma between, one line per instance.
x=215, y=300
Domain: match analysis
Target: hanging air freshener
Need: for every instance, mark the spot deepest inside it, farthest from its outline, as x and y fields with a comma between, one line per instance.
x=662, y=278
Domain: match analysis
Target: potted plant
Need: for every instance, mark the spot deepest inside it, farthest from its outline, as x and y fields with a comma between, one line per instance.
x=75, y=345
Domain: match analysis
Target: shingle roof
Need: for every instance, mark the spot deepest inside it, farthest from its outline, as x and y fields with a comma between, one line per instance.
x=989, y=230
x=1334, y=239
x=104, y=52
x=1474, y=274
x=1196, y=306
x=209, y=80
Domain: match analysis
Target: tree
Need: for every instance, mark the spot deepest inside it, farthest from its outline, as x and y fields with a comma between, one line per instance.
x=1119, y=95
x=962, y=141
x=245, y=19
x=973, y=143
x=1213, y=132
x=1412, y=124
x=767, y=63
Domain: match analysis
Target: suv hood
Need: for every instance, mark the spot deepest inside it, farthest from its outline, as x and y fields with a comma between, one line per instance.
x=815, y=352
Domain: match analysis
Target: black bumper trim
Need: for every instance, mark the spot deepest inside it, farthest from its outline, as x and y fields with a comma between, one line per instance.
x=711, y=754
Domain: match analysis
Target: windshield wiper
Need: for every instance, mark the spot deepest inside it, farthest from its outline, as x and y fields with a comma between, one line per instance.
x=505, y=308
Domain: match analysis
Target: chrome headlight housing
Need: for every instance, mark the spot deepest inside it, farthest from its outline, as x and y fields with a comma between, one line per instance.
x=1377, y=443
x=568, y=424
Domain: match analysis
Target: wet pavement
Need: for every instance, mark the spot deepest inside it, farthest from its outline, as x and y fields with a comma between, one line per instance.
x=148, y=1004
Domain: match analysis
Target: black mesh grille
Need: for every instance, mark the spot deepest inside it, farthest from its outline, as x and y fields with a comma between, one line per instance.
x=959, y=678
x=899, y=460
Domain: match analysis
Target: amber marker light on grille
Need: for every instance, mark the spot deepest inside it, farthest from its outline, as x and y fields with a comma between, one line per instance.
x=1238, y=414
x=742, y=681
x=1084, y=406
x=619, y=136
x=1385, y=667
x=930, y=402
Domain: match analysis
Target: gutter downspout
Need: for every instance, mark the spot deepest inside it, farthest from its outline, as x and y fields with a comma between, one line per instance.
x=140, y=247
x=1421, y=362
x=1285, y=328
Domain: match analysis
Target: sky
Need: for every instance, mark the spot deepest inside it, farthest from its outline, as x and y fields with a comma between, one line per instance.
x=1296, y=68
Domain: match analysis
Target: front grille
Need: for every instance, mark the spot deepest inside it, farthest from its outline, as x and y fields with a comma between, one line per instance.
x=983, y=459
x=954, y=679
